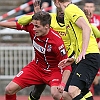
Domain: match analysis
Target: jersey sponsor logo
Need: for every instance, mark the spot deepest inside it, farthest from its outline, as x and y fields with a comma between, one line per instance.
x=61, y=33
x=39, y=48
x=63, y=52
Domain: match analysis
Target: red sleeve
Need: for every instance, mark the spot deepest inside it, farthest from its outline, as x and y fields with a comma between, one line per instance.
x=27, y=28
x=68, y=68
x=19, y=27
x=61, y=51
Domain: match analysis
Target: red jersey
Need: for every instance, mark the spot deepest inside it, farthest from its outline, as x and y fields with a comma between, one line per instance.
x=95, y=20
x=49, y=49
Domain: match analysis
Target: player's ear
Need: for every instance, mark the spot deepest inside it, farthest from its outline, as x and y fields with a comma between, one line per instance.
x=47, y=26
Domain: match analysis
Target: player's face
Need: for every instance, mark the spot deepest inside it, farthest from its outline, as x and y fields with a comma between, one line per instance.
x=39, y=29
x=90, y=7
x=60, y=15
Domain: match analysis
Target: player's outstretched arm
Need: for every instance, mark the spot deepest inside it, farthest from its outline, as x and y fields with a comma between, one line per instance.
x=65, y=77
x=26, y=19
x=11, y=24
x=37, y=6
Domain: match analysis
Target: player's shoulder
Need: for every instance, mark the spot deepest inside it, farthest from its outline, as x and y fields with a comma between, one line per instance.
x=55, y=35
x=72, y=6
x=53, y=14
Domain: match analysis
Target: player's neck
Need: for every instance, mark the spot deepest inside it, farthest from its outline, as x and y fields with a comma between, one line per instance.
x=47, y=31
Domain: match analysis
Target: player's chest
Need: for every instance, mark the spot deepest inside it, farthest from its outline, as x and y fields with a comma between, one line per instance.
x=43, y=47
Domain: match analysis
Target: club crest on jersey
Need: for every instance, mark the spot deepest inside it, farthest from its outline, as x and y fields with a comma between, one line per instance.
x=49, y=48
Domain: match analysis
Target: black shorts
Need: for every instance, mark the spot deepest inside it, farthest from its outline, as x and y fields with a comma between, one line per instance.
x=74, y=66
x=84, y=72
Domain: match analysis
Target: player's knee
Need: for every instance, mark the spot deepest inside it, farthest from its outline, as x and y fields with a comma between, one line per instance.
x=8, y=90
x=73, y=91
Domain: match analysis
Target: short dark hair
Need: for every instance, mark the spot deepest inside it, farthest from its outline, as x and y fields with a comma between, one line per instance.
x=89, y=1
x=43, y=16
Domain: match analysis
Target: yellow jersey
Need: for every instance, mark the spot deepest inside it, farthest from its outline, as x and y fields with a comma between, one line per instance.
x=60, y=28
x=71, y=14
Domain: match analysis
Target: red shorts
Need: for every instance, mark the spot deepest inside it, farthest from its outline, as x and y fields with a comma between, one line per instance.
x=32, y=74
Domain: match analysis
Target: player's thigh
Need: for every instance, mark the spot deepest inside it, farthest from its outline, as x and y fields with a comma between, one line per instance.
x=54, y=79
x=28, y=76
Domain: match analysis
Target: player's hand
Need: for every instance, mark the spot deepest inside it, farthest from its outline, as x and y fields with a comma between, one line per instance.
x=80, y=57
x=37, y=6
x=66, y=62
x=61, y=87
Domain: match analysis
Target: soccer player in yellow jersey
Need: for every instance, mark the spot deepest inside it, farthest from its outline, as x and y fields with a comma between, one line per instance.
x=86, y=49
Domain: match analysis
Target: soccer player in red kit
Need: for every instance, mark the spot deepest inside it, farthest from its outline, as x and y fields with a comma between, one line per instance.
x=94, y=18
x=49, y=51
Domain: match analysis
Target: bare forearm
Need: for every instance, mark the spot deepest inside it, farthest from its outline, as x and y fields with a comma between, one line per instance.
x=65, y=76
x=85, y=38
x=8, y=24
x=86, y=31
